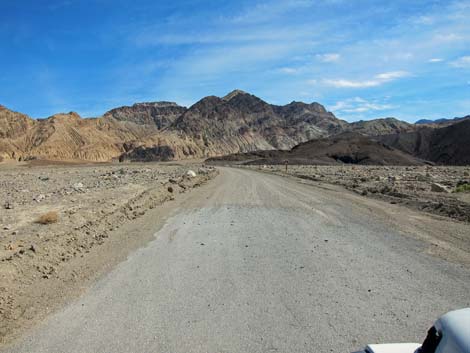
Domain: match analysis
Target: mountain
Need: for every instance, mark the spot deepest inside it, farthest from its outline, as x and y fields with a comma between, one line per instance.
x=214, y=126
x=441, y=121
x=242, y=122
x=446, y=145
x=381, y=127
x=238, y=122
x=162, y=114
x=344, y=148
x=65, y=137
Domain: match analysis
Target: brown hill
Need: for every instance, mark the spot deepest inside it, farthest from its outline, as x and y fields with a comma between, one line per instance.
x=65, y=137
x=447, y=145
x=237, y=123
x=346, y=148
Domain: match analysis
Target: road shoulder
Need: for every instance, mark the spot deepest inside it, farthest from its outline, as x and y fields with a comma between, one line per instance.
x=32, y=290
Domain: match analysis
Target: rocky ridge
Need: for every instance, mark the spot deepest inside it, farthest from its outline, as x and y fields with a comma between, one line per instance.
x=238, y=122
x=159, y=131
x=449, y=144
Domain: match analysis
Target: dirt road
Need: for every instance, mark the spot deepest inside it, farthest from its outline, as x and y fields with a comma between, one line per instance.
x=259, y=263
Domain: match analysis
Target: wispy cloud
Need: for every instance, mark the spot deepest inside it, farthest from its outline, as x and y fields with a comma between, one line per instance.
x=448, y=37
x=152, y=36
x=269, y=47
x=328, y=58
x=289, y=70
x=424, y=20
x=462, y=62
x=268, y=10
x=377, y=80
x=359, y=105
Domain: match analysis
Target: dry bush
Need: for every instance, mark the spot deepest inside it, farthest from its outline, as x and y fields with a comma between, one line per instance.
x=48, y=218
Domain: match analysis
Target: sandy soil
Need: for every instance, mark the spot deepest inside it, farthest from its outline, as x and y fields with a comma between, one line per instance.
x=424, y=188
x=99, y=208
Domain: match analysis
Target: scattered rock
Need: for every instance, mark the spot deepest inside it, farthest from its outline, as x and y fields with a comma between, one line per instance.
x=436, y=187
x=78, y=186
x=422, y=178
x=103, y=208
x=39, y=198
x=191, y=173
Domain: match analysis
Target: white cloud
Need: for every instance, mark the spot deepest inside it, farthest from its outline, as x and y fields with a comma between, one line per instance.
x=213, y=62
x=266, y=11
x=359, y=105
x=393, y=75
x=462, y=62
x=435, y=60
x=289, y=70
x=448, y=37
x=151, y=36
x=328, y=58
x=340, y=83
x=377, y=80
x=424, y=20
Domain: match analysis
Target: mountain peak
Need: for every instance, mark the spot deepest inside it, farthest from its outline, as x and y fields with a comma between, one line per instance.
x=71, y=116
x=160, y=104
x=233, y=94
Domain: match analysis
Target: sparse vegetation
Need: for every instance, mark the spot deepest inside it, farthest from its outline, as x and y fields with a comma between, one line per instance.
x=463, y=188
x=48, y=218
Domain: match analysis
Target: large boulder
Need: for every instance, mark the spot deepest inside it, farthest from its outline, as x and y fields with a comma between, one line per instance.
x=436, y=187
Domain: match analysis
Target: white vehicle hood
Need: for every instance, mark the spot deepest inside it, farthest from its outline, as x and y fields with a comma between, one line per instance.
x=393, y=348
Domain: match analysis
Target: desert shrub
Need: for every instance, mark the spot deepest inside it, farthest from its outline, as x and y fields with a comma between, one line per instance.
x=463, y=188
x=48, y=218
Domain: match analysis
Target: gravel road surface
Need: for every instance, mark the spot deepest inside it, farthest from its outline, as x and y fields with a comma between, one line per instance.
x=259, y=263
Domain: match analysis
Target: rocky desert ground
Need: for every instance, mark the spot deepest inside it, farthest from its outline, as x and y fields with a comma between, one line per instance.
x=444, y=191
x=60, y=225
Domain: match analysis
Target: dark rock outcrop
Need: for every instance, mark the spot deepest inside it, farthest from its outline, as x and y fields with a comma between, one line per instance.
x=448, y=145
x=345, y=148
x=161, y=114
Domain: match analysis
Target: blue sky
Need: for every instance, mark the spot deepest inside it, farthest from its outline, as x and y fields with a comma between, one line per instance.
x=362, y=59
